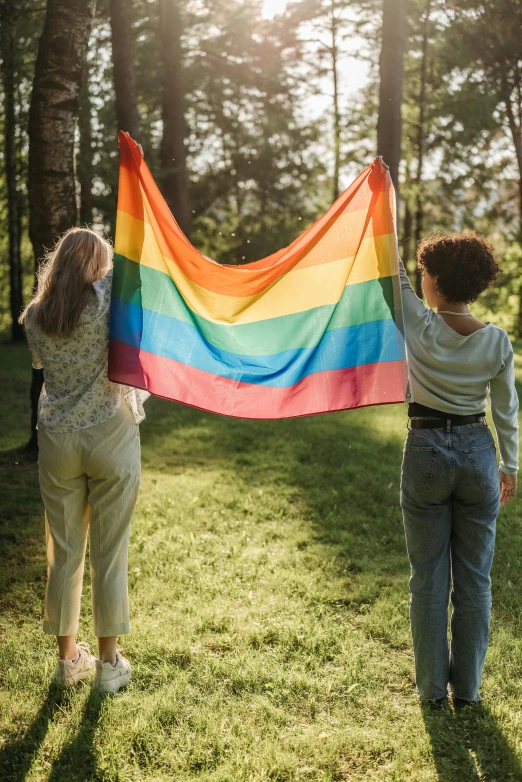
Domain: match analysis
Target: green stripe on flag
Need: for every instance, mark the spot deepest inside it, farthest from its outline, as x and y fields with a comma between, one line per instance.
x=363, y=302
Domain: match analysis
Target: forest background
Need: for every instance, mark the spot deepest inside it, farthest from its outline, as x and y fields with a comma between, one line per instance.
x=268, y=575
x=252, y=122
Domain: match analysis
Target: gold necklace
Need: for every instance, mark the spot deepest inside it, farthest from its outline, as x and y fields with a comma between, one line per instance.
x=462, y=314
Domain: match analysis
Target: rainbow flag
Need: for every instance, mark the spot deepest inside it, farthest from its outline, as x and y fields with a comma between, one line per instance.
x=314, y=327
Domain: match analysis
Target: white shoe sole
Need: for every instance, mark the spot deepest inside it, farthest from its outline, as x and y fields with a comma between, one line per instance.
x=68, y=682
x=113, y=685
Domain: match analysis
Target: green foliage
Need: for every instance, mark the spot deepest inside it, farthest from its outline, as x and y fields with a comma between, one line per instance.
x=485, y=57
x=500, y=303
x=254, y=180
x=253, y=170
x=260, y=161
x=25, y=19
x=269, y=598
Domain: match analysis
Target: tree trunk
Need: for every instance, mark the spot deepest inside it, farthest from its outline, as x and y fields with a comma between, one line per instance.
x=124, y=78
x=407, y=230
x=513, y=111
x=421, y=133
x=173, y=153
x=85, y=166
x=337, y=117
x=419, y=226
x=53, y=114
x=13, y=203
x=391, y=66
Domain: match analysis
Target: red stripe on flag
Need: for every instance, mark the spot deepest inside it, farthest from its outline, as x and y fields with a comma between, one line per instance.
x=370, y=384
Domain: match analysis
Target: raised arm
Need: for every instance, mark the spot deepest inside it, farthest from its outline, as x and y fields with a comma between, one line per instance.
x=413, y=308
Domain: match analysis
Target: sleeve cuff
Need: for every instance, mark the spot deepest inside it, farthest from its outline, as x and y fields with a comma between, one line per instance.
x=508, y=470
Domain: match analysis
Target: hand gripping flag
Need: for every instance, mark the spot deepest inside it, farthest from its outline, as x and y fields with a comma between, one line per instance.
x=316, y=326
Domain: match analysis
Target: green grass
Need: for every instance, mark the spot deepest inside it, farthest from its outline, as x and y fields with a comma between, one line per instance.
x=270, y=640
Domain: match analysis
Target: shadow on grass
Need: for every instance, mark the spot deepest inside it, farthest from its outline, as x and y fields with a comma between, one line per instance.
x=344, y=470
x=343, y=467
x=468, y=745
x=22, y=538
x=77, y=760
x=16, y=756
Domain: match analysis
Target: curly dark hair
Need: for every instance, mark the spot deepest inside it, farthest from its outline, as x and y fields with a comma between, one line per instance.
x=462, y=263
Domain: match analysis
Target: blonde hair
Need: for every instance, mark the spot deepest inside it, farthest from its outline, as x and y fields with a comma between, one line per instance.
x=65, y=279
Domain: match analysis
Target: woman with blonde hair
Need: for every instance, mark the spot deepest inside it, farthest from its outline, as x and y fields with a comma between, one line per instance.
x=89, y=455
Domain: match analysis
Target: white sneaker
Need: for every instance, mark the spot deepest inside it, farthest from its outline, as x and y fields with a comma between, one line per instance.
x=111, y=678
x=69, y=672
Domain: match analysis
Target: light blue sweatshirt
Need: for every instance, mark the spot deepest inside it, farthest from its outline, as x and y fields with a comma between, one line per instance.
x=453, y=373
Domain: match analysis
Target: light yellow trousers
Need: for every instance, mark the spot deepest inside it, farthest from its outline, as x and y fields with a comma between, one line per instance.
x=89, y=478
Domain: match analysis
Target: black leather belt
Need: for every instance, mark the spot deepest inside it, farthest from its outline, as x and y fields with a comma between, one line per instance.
x=447, y=423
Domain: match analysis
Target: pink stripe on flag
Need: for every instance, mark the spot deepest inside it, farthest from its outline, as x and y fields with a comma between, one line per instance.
x=369, y=384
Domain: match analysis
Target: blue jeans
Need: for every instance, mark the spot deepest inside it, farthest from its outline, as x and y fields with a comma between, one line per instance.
x=450, y=500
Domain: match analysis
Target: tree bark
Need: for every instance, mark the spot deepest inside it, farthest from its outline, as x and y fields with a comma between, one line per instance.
x=513, y=111
x=9, y=78
x=53, y=115
x=407, y=229
x=337, y=116
x=391, y=67
x=85, y=165
x=124, y=77
x=173, y=153
x=516, y=134
x=421, y=135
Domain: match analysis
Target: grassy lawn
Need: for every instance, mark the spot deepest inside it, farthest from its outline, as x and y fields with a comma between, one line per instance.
x=270, y=640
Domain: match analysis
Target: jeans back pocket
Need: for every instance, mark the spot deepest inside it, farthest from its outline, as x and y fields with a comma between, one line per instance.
x=483, y=459
x=418, y=467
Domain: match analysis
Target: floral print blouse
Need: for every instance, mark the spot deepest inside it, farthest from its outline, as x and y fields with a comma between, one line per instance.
x=77, y=392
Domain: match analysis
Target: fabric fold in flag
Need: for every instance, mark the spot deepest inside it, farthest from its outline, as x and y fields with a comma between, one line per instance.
x=312, y=328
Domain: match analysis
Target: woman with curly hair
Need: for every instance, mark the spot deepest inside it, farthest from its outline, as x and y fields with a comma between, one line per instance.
x=451, y=488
